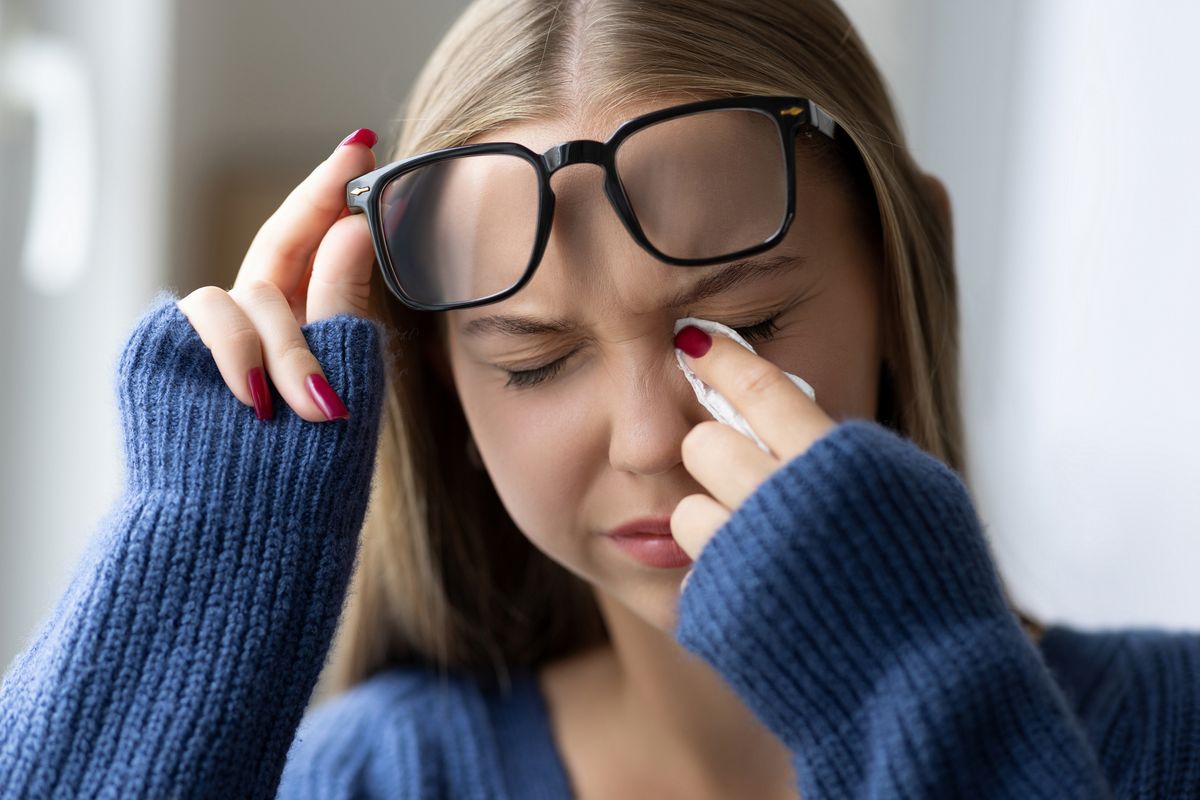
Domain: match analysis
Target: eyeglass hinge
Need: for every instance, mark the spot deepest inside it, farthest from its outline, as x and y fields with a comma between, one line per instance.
x=360, y=190
x=823, y=122
x=816, y=116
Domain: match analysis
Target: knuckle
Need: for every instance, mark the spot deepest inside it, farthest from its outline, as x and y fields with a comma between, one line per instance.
x=243, y=339
x=260, y=290
x=694, y=441
x=686, y=509
x=678, y=515
x=277, y=233
x=758, y=380
x=295, y=353
x=204, y=296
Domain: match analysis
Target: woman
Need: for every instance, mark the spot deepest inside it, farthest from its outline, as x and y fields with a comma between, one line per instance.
x=572, y=581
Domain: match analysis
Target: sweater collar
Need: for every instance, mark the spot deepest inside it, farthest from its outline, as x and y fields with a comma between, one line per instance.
x=531, y=763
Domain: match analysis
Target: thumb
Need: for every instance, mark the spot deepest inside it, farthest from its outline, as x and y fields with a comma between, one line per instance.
x=341, y=272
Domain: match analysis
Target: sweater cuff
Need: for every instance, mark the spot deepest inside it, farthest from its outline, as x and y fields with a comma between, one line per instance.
x=186, y=432
x=182, y=656
x=845, y=562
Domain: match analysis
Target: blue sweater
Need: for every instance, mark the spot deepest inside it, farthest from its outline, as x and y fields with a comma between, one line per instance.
x=851, y=602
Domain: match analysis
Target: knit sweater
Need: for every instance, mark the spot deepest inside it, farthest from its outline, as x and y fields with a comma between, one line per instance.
x=851, y=602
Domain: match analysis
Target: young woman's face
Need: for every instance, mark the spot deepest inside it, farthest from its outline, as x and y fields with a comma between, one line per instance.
x=597, y=441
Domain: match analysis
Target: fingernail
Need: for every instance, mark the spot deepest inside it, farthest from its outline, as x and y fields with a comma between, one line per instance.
x=260, y=393
x=693, y=341
x=326, y=398
x=364, y=135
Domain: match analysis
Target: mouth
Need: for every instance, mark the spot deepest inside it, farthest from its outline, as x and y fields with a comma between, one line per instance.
x=648, y=541
x=656, y=525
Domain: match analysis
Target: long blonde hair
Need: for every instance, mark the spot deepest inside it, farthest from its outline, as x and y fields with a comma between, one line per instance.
x=445, y=579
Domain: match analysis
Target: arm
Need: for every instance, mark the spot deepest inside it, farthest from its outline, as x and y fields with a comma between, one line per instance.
x=182, y=655
x=852, y=604
x=1137, y=692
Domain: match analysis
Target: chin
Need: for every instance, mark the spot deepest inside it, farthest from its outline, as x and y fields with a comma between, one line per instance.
x=654, y=603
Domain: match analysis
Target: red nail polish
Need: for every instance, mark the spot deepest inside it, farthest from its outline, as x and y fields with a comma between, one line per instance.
x=364, y=135
x=260, y=393
x=326, y=398
x=693, y=341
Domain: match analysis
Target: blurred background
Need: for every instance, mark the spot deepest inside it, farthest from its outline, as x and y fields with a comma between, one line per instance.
x=143, y=142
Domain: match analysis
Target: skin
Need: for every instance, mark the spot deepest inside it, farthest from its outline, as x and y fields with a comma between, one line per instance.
x=616, y=433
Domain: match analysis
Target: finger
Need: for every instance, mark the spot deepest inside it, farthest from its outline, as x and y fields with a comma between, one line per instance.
x=284, y=246
x=695, y=520
x=233, y=341
x=726, y=463
x=686, y=577
x=341, y=273
x=285, y=350
x=777, y=410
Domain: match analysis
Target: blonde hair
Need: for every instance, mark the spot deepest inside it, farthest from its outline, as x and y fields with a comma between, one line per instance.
x=445, y=579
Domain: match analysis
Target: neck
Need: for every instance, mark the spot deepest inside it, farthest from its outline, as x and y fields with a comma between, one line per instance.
x=676, y=706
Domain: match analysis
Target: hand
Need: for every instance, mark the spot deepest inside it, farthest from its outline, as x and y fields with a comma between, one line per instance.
x=728, y=464
x=310, y=260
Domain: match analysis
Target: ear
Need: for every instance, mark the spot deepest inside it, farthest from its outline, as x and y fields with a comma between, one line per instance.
x=941, y=198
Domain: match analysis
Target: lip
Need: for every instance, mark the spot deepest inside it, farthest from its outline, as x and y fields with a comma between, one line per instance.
x=659, y=525
x=648, y=540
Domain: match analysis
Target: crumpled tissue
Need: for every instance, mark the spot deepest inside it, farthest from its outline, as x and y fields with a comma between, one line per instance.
x=710, y=398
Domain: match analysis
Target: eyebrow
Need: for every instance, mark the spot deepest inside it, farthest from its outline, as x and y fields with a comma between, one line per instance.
x=736, y=274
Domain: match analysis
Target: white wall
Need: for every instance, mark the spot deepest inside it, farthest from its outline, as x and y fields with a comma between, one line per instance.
x=1100, y=342
x=1066, y=136
x=185, y=91
x=61, y=455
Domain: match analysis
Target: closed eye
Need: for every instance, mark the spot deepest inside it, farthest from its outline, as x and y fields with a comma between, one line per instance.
x=760, y=331
x=526, y=378
x=523, y=378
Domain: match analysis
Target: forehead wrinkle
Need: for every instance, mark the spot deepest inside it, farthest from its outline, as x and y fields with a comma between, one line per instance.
x=730, y=276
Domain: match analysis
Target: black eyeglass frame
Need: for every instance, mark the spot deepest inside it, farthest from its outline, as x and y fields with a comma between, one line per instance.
x=793, y=115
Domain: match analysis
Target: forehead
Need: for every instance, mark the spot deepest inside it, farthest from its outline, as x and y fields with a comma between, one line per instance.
x=598, y=123
x=587, y=122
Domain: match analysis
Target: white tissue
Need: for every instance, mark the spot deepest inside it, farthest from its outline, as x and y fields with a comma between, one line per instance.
x=709, y=397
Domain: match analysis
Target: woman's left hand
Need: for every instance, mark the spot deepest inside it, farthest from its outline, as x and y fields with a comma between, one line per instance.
x=727, y=463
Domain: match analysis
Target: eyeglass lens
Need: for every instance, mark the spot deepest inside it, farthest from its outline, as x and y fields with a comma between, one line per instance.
x=705, y=185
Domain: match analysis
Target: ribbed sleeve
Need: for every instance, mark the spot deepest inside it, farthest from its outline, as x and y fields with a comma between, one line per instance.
x=1137, y=691
x=180, y=658
x=852, y=603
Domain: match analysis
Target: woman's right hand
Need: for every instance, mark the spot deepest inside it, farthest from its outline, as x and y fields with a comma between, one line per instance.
x=310, y=260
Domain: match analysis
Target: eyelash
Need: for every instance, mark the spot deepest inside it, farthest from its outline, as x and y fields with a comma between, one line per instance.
x=523, y=379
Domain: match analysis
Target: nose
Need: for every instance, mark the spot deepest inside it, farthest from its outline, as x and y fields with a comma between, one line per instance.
x=652, y=409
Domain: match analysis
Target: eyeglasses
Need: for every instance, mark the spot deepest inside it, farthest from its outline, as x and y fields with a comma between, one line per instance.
x=693, y=184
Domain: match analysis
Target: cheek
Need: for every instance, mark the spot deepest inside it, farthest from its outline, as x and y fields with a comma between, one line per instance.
x=833, y=344
x=534, y=450
x=850, y=366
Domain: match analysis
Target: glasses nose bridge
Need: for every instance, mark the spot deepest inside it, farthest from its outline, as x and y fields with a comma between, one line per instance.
x=576, y=151
x=584, y=151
